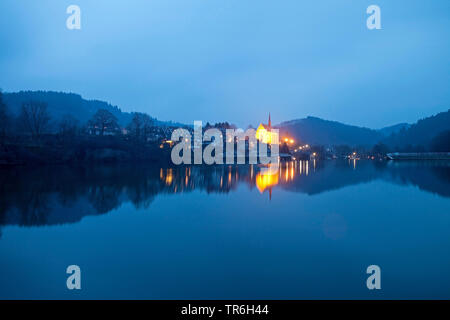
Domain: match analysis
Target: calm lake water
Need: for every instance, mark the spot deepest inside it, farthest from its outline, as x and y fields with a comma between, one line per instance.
x=309, y=230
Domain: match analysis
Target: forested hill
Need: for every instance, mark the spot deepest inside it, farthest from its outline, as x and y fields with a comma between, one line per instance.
x=314, y=130
x=60, y=104
x=423, y=132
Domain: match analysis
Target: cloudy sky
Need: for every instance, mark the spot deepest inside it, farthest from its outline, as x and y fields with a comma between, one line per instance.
x=236, y=60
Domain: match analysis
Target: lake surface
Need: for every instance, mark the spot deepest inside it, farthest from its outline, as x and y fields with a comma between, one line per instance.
x=308, y=230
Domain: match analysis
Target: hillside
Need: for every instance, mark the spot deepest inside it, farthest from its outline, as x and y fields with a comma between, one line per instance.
x=387, y=131
x=60, y=104
x=310, y=130
x=314, y=130
x=422, y=132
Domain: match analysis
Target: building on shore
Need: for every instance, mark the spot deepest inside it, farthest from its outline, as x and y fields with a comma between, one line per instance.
x=265, y=135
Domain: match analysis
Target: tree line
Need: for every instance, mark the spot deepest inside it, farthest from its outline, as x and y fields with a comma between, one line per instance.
x=34, y=121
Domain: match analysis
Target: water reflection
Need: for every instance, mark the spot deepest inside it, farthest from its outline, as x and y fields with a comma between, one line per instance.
x=58, y=195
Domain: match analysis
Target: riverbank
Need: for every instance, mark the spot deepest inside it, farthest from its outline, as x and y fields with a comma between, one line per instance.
x=80, y=151
x=419, y=156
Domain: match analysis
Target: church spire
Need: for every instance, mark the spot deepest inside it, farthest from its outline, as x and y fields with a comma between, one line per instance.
x=270, y=124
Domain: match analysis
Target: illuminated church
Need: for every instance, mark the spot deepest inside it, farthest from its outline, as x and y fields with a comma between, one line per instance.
x=264, y=133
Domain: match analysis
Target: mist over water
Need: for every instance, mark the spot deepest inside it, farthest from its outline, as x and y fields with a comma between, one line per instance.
x=308, y=230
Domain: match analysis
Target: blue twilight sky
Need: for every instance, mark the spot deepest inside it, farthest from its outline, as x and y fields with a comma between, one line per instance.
x=236, y=60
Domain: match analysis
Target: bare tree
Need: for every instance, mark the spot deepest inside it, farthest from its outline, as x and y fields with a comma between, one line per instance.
x=103, y=121
x=148, y=123
x=68, y=127
x=35, y=118
x=5, y=120
x=140, y=126
x=135, y=126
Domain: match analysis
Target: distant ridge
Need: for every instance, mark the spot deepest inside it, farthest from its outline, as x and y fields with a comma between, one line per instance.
x=318, y=131
x=387, y=131
x=422, y=132
x=314, y=130
x=310, y=130
x=61, y=104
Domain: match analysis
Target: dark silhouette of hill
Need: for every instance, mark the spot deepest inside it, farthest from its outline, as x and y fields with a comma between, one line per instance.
x=317, y=131
x=422, y=132
x=311, y=130
x=61, y=104
x=387, y=131
x=421, y=135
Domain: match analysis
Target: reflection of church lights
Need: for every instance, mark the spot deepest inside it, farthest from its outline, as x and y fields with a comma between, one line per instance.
x=169, y=176
x=264, y=181
x=284, y=172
